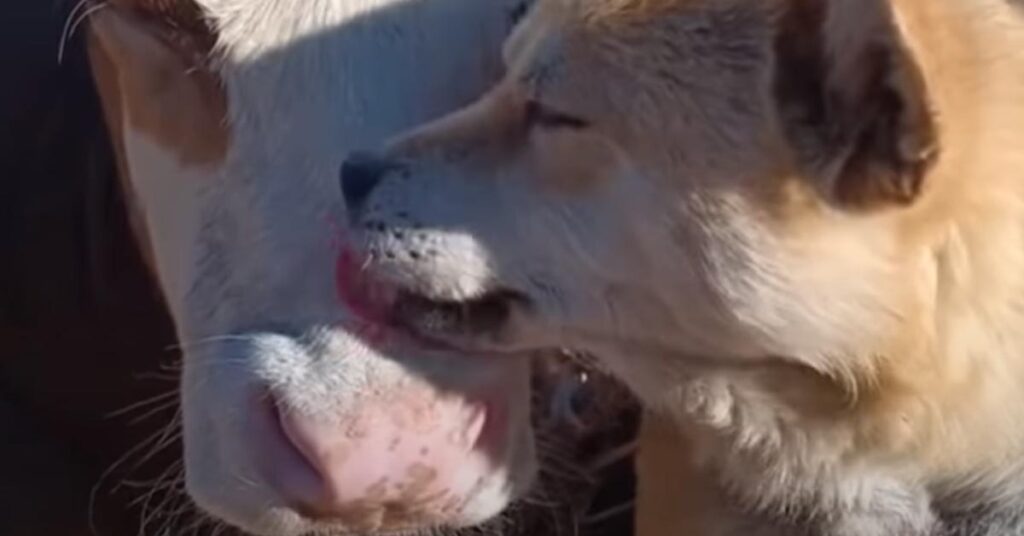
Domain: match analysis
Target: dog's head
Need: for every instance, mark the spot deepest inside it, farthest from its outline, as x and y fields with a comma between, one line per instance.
x=727, y=178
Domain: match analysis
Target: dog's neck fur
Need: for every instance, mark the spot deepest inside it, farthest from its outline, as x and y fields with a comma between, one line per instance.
x=938, y=409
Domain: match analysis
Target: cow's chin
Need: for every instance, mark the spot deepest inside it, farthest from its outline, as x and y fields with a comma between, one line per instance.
x=268, y=425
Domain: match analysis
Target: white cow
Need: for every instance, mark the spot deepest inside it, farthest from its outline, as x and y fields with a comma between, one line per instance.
x=231, y=118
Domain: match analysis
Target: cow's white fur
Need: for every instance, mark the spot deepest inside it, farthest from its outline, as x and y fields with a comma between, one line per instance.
x=245, y=247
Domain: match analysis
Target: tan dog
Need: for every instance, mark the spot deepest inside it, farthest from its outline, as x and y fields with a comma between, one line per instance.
x=794, y=225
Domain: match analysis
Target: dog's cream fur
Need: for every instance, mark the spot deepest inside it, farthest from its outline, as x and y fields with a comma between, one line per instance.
x=795, y=226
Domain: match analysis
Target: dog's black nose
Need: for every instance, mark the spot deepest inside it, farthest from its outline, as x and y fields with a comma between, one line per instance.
x=360, y=174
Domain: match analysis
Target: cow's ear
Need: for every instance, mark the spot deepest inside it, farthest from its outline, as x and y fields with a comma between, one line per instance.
x=155, y=81
x=854, y=102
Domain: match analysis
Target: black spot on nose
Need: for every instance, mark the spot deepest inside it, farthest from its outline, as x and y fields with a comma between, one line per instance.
x=360, y=174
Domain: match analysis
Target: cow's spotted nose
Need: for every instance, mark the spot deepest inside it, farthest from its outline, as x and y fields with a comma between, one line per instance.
x=360, y=173
x=412, y=458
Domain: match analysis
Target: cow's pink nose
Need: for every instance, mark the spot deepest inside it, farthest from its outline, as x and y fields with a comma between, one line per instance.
x=407, y=460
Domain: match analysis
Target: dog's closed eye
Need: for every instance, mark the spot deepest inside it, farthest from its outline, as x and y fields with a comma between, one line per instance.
x=538, y=115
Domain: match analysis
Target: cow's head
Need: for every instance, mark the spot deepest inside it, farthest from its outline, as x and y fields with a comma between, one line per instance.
x=229, y=118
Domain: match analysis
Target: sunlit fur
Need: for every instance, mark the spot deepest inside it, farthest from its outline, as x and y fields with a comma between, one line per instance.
x=231, y=164
x=839, y=341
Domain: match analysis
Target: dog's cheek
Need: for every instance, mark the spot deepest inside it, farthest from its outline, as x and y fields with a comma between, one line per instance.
x=571, y=163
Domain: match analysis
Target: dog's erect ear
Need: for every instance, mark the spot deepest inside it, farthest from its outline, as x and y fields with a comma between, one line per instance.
x=854, y=102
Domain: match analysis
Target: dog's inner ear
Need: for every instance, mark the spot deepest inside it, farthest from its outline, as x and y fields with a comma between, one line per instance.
x=853, y=102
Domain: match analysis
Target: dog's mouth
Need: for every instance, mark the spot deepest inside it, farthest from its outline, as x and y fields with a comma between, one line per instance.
x=459, y=323
x=473, y=323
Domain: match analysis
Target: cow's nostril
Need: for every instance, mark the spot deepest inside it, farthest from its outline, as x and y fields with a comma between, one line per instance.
x=360, y=173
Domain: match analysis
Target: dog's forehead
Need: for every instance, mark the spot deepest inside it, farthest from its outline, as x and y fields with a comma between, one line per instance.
x=616, y=31
x=535, y=47
x=612, y=12
x=554, y=47
x=540, y=68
